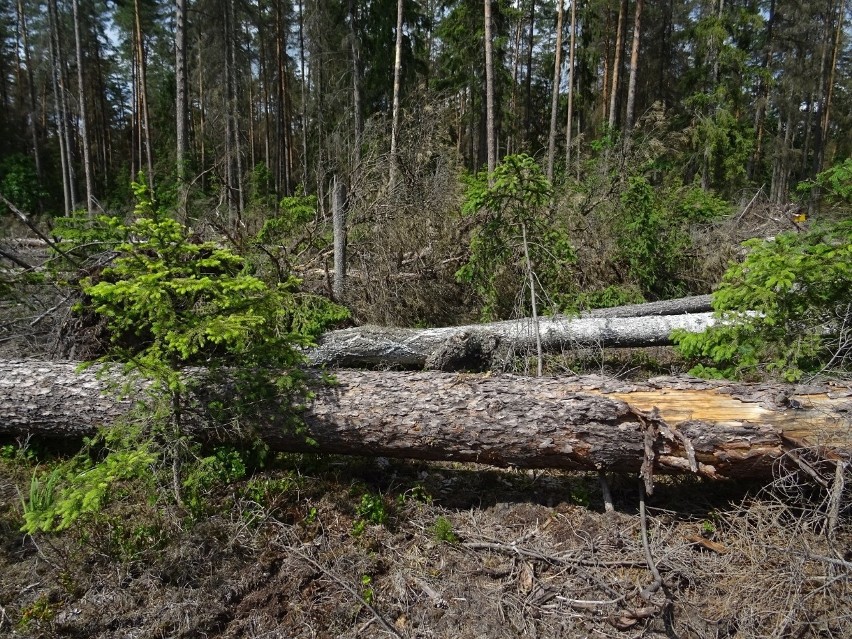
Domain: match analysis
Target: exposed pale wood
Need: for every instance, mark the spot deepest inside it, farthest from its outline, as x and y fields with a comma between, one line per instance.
x=585, y=423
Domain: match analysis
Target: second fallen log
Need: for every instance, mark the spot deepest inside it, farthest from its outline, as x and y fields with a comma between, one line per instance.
x=476, y=347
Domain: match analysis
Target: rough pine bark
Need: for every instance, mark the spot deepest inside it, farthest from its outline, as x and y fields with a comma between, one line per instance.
x=715, y=429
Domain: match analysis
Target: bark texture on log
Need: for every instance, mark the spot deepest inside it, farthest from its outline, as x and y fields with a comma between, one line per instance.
x=679, y=306
x=578, y=423
x=475, y=347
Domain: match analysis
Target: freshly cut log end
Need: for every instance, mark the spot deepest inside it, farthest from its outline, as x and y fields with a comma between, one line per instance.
x=720, y=429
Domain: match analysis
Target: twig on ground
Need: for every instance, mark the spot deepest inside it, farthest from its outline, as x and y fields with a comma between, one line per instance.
x=643, y=518
x=834, y=499
x=605, y=493
x=805, y=467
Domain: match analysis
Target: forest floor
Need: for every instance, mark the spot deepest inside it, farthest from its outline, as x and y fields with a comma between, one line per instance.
x=325, y=546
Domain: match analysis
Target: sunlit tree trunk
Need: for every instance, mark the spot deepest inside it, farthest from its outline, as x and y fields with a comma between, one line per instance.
x=528, y=78
x=283, y=134
x=251, y=119
x=397, y=80
x=143, y=93
x=569, y=139
x=634, y=67
x=512, y=139
x=32, y=117
x=819, y=155
x=230, y=135
x=65, y=154
x=338, y=215
x=304, y=97
x=356, y=76
x=102, y=129
x=233, y=110
x=489, y=91
x=84, y=130
x=263, y=64
x=181, y=109
x=554, y=98
x=202, y=117
x=616, y=64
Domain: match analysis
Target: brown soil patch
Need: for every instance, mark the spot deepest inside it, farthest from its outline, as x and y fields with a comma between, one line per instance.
x=279, y=555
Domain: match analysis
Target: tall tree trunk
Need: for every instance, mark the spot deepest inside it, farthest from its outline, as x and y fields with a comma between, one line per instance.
x=356, y=75
x=710, y=428
x=762, y=97
x=181, y=90
x=490, y=136
x=234, y=110
x=32, y=118
x=103, y=123
x=280, y=46
x=288, y=132
x=528, y=79
x=554, y=98
x=512, y=140
x=304, y=98
x=202, y=117
x=134, y=128
x=665, y=52
x=397, y=81
x=251, y=119
x=634, y=67
x=338, y=217
x=569, y=138
x=263, y=63
x=826, y=112
x=230, y=181
x=84, y=126
x=605, y=81
x=143, y=93
x=65, y=156
x=616, y=64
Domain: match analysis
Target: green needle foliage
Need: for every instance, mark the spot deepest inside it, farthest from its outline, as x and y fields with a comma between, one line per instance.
x=516, y=198
x=786, y=309
x=176, y=306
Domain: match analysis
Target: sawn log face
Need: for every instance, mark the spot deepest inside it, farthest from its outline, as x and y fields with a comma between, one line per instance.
x=568, y=423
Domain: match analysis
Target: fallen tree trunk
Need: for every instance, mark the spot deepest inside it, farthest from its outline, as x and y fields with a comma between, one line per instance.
x=477, y=347
x=678, y=306
x=716, y=429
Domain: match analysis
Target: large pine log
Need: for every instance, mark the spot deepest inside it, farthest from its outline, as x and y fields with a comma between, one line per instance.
x=585, y=423
x=475, y=347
